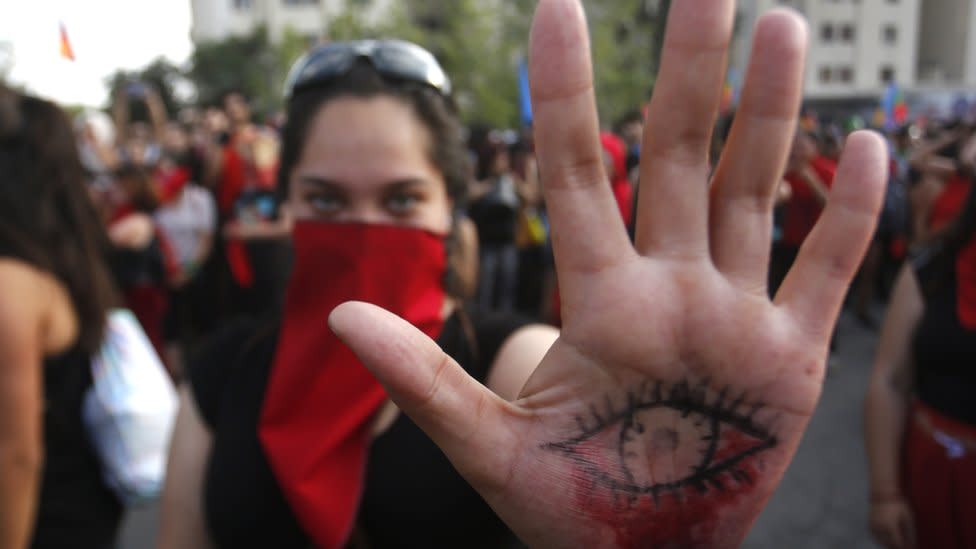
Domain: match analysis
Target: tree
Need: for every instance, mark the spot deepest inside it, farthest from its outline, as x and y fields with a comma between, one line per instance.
x=246, y=63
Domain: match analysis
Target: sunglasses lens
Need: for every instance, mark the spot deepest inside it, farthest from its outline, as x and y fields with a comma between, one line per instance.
x=319, y=66
x=393, y=58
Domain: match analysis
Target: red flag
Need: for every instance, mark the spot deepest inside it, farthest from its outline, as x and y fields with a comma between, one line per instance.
x=66, y=51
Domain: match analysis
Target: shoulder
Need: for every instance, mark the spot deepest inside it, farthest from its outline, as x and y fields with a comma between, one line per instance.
x=512, y=346
x=25, y=305
x=21, y=288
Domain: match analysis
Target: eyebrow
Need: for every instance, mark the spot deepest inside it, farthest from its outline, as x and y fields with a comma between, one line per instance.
x=329, y=184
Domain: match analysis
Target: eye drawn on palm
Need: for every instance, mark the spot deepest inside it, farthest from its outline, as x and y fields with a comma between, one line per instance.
x=671, y=404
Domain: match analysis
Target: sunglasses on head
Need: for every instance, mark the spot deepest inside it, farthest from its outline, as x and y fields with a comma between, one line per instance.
x=391, y=58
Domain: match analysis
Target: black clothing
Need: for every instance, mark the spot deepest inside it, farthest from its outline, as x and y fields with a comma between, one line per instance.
x=76, y=508
x=412, y=497
x=944, y=350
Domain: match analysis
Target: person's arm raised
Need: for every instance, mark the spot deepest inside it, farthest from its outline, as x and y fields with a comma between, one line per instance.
x=667, y=410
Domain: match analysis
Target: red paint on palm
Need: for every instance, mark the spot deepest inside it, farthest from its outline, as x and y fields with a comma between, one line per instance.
x=705, y=514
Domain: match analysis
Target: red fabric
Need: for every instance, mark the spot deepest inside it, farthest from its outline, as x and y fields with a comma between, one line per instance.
x=949, y=202
x=804, y=208
x=940, y=484
x=622, y=190
x=232, y=181
x=170, y=183
x=149, y=305
x=237, y=175
x=966, y=285
x=320, y=402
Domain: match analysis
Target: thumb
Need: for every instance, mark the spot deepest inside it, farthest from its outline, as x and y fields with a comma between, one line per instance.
x=465, y=419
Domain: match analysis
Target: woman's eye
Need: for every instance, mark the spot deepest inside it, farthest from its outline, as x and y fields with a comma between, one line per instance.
x=402, y=203
x=675, y=440
x=326, y=203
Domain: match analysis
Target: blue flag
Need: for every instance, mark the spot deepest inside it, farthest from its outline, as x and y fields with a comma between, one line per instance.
x=525, y=97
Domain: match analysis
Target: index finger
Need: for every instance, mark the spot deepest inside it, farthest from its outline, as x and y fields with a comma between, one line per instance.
x=588, y=233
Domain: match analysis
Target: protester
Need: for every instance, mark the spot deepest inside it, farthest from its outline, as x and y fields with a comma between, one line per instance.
x=672, y=340
x=809, y=176
x=494, y=208
x=920, y=415
x=255, y=229
x=141, y=258
x=55, y=292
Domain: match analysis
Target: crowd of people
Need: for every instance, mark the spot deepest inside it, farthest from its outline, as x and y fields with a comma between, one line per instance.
x=235, y=242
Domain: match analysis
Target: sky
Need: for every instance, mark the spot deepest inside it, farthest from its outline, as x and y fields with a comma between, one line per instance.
x=106, y=35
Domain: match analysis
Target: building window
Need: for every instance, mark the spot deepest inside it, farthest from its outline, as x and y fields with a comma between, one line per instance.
x=846, y=74
x=826, y=32
x=824, y=75
x=887, y=74
x=242, y=5
x=890, y=34
x=848, y=33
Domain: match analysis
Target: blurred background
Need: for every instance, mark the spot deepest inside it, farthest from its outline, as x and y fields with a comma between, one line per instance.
x=185, y=75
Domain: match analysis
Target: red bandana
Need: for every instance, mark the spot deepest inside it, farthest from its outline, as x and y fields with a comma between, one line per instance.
x=320, y=402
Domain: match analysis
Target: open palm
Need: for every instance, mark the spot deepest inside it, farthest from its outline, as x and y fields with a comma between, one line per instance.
x=675, y=396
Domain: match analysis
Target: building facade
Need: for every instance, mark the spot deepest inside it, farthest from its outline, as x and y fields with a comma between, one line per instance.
x=857, y=47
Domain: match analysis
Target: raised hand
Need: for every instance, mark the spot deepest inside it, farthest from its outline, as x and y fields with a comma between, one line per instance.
x=672, y=402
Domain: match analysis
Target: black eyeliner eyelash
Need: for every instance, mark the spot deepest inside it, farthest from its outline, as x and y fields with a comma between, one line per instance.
x=680, y=399
x=685, y=400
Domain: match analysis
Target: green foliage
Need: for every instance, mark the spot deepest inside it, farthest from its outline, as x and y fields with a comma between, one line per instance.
x=247, y=63
x=479, y=42
x=625, y=42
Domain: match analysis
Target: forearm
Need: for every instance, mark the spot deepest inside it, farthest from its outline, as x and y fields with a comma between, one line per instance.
x=885, y=418
x=20, y=470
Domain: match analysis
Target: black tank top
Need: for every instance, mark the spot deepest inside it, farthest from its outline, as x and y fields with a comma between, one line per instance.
x=944, y=350
x=76, y=508
x=412, y=498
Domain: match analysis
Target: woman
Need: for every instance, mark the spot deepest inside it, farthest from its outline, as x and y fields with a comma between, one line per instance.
x=141, y=258
x=54, y=296
x=920, y=414
x=658, y=417
x=333, y=177
x=495, y=204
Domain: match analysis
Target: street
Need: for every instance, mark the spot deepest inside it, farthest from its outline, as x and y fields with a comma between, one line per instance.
x=822, y=502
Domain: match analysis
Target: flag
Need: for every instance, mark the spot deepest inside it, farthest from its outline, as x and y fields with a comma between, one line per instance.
x=66, y=51
x=894, y=106
x=525, y=96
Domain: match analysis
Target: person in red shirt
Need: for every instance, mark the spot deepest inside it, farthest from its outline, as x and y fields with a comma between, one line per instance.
x=809, y=177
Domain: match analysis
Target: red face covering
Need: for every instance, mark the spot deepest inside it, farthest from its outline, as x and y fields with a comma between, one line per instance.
x=320, y=402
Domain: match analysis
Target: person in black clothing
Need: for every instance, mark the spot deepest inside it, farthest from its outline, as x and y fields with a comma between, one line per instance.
x=361, y=148
x=920, y=413
x=672, y=401
x=55, y=292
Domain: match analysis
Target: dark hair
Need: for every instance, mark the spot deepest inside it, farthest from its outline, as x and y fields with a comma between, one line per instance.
x=437, y=112
x=46, y=216
x=137, y=183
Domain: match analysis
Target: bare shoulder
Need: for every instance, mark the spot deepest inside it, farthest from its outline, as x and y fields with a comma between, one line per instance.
x=34, y=306
x=518, y=357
